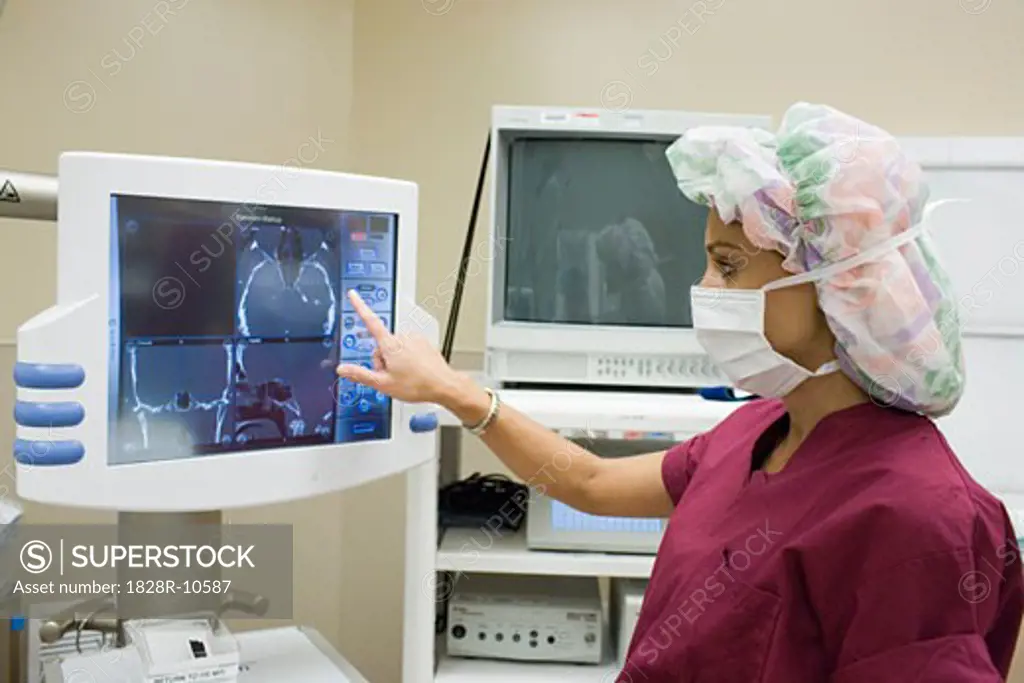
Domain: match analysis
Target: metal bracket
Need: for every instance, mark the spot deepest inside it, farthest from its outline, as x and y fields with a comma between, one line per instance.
x=27, y=196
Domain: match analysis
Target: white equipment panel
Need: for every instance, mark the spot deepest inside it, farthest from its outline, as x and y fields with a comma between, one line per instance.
x=526, y=618
x=64, y=406
x=282, y=654
x=979, y=241
x=982, y=247
x=626, y=601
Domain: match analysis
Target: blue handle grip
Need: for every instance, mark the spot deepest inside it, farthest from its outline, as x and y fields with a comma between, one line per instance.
x=423, y=422
x=48, y=375
x=722, y=394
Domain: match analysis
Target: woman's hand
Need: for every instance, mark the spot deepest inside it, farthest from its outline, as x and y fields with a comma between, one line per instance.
x=405, y=366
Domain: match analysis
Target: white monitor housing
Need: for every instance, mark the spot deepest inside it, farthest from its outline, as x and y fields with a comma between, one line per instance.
x=188, y=362
x=582, y=198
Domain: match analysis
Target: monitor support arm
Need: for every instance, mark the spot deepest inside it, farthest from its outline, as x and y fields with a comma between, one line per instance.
x=28, y=196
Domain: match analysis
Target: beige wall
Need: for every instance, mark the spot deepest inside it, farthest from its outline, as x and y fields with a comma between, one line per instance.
x=405, y=91
x=232, y=79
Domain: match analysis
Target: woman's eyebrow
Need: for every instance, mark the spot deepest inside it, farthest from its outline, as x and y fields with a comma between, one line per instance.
x=711, y=246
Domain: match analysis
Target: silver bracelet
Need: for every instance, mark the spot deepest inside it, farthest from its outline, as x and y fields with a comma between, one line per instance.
x=492, y=414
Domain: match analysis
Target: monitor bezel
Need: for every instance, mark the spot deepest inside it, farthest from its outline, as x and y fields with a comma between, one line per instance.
x=86, y=183
x=509, y=124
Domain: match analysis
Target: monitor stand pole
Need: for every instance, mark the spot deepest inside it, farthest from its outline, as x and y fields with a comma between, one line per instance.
x=146, y=598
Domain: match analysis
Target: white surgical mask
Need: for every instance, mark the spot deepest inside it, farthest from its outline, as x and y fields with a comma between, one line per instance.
x=730, y=324
x=730, y=327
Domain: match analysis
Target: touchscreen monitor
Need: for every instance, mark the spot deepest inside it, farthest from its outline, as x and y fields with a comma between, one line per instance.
x=227, y=322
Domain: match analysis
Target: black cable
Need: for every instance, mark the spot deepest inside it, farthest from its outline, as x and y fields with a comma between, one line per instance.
x=441, y=617
x=467, y=255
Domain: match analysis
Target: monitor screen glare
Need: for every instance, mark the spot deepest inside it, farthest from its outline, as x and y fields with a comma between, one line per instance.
x=599, y=234
x=227, y=322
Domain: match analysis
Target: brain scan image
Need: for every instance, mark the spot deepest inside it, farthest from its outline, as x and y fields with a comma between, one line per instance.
x=242, y=356
x=174, y=398
x=278, y=392
x=287, y=282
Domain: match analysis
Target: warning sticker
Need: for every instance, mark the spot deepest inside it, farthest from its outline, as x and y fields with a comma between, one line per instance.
x=8, y=193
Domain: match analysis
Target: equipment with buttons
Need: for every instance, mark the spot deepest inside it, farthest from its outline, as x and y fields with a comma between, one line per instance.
x=654, y=371
x=526, y=618
x=553, y=525
x=169, y=392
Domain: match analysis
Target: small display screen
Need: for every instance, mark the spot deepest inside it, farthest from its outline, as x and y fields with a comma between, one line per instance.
x=567, y=519
x=599, y=234
x=228, y=320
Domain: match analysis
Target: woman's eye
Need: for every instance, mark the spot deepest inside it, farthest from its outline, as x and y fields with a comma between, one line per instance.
x=724, y=267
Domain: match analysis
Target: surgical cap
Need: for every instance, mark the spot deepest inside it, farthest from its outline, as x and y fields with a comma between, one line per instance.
x=826, y=188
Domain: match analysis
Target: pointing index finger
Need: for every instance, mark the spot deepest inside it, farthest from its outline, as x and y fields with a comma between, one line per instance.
x=373, y=324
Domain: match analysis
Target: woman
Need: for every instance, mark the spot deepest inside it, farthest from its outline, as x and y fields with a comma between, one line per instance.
x=825, y=532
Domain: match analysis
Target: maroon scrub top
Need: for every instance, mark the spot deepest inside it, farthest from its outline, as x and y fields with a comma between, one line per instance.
x=872, y=557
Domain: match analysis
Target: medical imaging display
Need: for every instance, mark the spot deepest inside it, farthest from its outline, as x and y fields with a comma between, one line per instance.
x=228, y=320
x=598, y=233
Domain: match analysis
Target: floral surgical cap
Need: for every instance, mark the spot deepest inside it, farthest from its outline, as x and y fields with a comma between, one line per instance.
x=826, y=188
